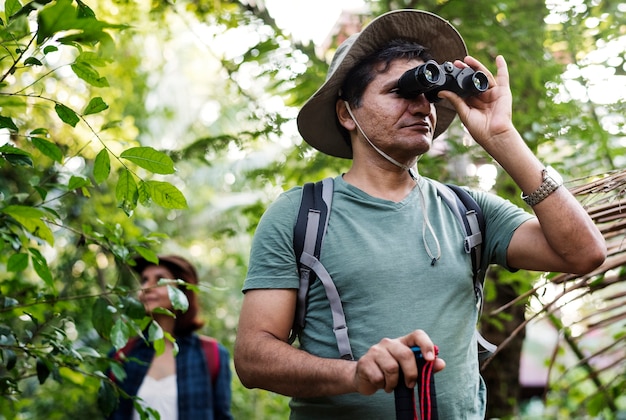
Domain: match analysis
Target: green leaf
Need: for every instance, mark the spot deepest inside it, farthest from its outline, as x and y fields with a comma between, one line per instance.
x=16, y=156
x=102, y=317
x=32, y=61
x=84, y=10
x=90, y=35
x=107, y=397
x=126, y=191
x=156, y=337
x=120, y=333
x=48, y=148
x=56, y=13
x=163, y=311
x=62, y=16
x=31, y=219
x=169, y=337
x=102, y=166
x=111, y=124
x=118, y=371
x=150, y=159
x=178, y=298
x=41, y=131
x=41, y=267
x=95, y=105
x=133, y=308
x=66, y=114
x=86, y=351
x=144, y=194
x=90, y=75
x=166, y=195
x=42, y=371
x=155, y=332
x=29, y=7
x=7, y=122
x=145, y=413
x=77, y=182
x=595, y=404
x=43, y=193
x=50, y=48
x=148, y=254
x=19, y=160
x=92, y=59
x=10, y=359
x=24, y=212
x=17, y=262
x=11, y=7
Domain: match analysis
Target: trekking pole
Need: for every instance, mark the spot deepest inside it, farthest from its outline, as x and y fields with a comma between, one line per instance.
x=406, y=409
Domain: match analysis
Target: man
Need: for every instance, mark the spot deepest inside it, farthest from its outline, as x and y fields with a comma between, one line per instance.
x=392, y=247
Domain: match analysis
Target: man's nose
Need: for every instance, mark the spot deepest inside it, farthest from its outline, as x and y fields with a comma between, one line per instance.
x=419, y=105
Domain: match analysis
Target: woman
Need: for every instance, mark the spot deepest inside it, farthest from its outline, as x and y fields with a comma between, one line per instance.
x=194, y=383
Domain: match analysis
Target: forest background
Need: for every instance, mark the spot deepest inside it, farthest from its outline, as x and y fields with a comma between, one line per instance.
x=143, y=127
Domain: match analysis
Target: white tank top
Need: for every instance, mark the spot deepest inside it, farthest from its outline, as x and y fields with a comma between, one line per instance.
x=161, y=395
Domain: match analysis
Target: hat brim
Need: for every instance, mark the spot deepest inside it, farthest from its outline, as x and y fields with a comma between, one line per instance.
x=317, y=120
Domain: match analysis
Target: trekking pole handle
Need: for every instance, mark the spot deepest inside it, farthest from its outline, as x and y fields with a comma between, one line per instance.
x=406, y=409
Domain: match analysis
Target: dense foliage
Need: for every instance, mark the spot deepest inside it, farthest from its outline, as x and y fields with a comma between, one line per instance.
x=138, y=127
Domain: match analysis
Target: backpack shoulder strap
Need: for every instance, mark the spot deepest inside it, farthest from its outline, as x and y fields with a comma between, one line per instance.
x=472, y=219
x=212, y=355
x=308, y=233
x=308, y=236
x=470, y=215
x=474, y=222
x=305, y=232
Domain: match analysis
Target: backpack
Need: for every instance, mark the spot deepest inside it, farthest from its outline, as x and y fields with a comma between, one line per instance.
x=209, y=347
x=309, y=233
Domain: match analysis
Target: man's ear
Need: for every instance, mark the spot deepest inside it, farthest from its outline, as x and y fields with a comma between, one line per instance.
x=343, y=115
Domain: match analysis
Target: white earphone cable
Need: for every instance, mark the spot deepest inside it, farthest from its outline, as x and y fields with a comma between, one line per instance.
x=383, y=154
x=413, y=175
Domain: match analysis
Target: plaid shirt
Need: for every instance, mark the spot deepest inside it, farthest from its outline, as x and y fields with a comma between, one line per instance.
x=198, y=399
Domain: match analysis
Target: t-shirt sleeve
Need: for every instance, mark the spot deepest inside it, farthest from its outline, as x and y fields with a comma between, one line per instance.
x=272, y=258
x=502, y=218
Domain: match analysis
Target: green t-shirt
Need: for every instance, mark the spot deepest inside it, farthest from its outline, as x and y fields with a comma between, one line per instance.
x=375, y=253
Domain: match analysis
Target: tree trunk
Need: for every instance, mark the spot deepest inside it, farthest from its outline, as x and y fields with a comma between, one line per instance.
x=501, y=374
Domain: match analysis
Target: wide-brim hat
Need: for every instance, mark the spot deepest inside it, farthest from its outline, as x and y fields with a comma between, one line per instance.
x=178, y=265
x=317, y=120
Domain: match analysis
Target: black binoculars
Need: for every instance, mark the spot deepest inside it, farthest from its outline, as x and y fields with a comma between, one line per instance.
x=430, y=78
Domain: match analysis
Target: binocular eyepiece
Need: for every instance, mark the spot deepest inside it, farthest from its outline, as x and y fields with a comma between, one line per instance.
x=430, y=78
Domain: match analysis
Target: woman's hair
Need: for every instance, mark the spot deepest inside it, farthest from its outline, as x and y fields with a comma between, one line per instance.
x=189, y=320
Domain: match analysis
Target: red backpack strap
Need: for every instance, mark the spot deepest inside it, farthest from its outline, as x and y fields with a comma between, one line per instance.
x=212, y=355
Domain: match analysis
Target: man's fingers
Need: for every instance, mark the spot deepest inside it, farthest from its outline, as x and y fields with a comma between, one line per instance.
x=380, y=367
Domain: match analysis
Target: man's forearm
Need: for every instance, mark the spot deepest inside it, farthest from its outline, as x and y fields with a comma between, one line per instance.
x=273, y=365
x=565, y=224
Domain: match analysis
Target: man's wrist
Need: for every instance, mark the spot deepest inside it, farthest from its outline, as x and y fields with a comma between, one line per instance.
x=552, y=180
